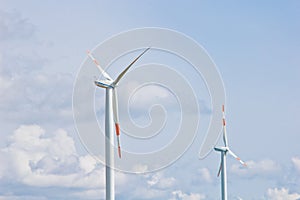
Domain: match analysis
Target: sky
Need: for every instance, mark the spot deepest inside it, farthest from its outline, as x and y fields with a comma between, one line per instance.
x=255, y=46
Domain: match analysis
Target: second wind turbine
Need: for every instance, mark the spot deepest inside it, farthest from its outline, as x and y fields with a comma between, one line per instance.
x=224, y=150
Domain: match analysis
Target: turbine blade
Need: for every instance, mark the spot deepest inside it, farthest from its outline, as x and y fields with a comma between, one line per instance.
x=127, y=68
x=115, y=106
x=236, y=157
x=116, y=119
x=98, y=65
x=220, y=169
x=224, y=127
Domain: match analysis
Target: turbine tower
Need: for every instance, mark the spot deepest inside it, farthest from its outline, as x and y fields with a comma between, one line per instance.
x=111, y=115
x=224, y=150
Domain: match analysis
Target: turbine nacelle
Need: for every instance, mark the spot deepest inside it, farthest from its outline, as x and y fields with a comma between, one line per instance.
x=104, y=83
x=221, y=149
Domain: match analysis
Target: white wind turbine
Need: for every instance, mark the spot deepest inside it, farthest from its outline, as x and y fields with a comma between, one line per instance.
x=111, y=114
x=224, y=150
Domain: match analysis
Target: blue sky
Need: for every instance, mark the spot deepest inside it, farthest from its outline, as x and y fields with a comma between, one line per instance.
x=254, y=44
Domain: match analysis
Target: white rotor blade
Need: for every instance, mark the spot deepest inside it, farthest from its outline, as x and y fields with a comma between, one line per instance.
x=99, y=67
x=220, y=168
x=127, y=68
x=236, y=157
x=224, y=128
x=116, y=119
x=115, y=106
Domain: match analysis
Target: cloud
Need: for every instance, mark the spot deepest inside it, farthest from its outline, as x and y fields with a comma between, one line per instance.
x=13, y=197
x=145, y=96
x=87, y=163
x=34, y=158
x=30, y=94
x=38, y=159
x=159, y=181
x=42, y=99
x=35, y=98
x=139, y=168
x=156, y=185
x=261, y=168
x=5, y=84
x=281, y=194
x=205, y=175
x=179, y=195
x=150, y=186
x=90, y=194
x=13, y=26
x=148, y=193
x=296, y=163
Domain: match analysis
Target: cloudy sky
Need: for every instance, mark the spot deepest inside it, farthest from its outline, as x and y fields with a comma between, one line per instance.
x=254, y=44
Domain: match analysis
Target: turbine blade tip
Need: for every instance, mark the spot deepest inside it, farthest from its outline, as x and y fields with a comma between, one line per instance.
x=119, y=152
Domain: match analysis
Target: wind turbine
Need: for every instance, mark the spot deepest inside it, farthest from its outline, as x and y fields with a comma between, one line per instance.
x=111, y=115
x=224, y=150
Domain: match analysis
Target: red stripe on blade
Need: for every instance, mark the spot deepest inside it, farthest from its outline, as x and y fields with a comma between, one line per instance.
x=117, y=129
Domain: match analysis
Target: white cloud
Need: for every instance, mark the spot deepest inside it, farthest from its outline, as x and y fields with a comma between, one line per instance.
x=5, y=84
x=121, y=179
x=159, y=181
x=167, y=182
x=139, y=168
x=32, y=100
x=13, y=26
x=281, y=194
x=265, y=167
x=29, y=93
x=179, y=195
x=148, y=193
x=14, y=197
x=87, y=163
x=205, y=175
x=91, y=194
x=35, y=158
x=147, y=186
x=140, y=99
x=145, y=96
x=296, y=163
x=77, y=180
